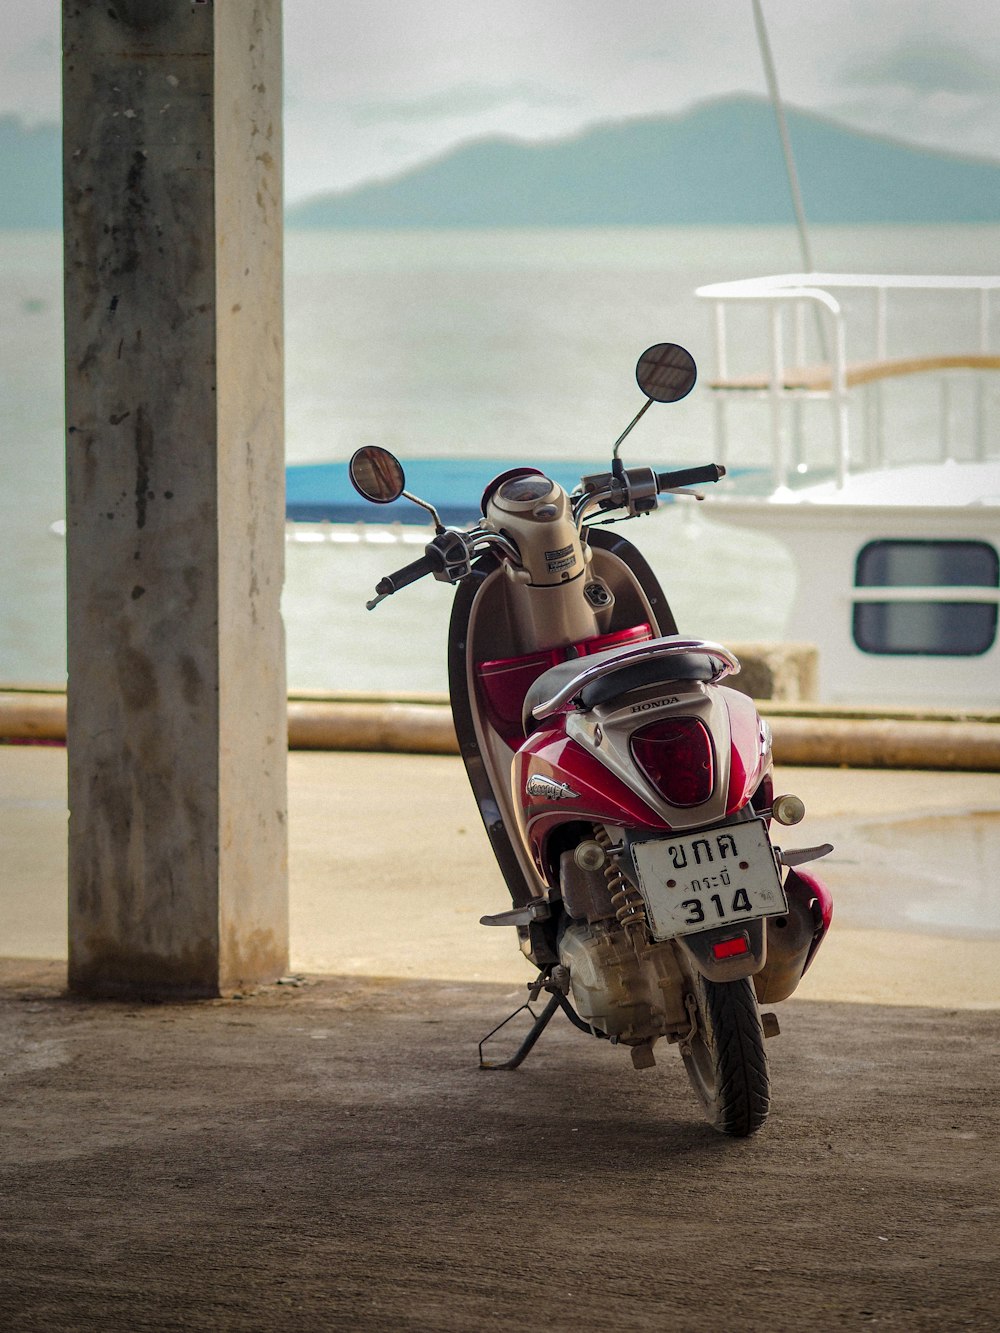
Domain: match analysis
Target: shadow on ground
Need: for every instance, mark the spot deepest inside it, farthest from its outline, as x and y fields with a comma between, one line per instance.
x=328, y=1156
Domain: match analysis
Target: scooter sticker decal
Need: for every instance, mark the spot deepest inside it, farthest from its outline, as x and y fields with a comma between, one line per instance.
x=549, y=789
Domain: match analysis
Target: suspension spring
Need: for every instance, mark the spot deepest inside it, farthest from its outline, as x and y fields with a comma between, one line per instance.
x=625, y=899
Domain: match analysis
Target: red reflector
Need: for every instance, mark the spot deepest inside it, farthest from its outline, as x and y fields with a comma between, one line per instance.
x=676, y=756
x=731, y=948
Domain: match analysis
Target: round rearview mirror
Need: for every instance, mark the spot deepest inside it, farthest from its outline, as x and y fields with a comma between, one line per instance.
x=377, y=475
x=666, y=372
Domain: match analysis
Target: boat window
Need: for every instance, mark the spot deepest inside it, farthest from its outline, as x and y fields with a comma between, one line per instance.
x=935, y=626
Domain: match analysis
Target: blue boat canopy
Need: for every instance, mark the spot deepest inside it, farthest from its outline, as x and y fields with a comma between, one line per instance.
x=322, y=492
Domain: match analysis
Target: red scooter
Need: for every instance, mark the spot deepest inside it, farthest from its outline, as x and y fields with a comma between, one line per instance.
x=626, y=791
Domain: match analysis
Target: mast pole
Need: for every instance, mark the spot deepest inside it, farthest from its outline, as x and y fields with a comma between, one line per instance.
x=786, y=143
x=774, y=93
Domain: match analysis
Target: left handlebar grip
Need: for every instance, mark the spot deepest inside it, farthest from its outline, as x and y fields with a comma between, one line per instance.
x=417, y=569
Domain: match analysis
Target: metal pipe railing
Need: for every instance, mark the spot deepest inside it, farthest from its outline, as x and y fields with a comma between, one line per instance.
x=797, y=290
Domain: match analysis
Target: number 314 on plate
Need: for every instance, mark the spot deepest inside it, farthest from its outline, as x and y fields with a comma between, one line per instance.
x=739, y=879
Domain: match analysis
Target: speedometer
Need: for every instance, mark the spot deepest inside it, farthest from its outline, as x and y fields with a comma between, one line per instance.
x=520, y=489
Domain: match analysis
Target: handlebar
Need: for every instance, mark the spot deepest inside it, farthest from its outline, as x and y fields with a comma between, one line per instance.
x=428, y=563
x=448, y=555
x=402, y=578
x=689, y=476
x=636, y=489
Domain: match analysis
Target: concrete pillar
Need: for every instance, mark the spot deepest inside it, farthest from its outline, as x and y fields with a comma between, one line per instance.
x=175, y=496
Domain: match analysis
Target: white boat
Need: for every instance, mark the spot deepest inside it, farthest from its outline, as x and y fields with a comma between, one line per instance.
x=897, y=562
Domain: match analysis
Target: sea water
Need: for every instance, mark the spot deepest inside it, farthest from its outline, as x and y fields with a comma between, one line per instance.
x=512, y=344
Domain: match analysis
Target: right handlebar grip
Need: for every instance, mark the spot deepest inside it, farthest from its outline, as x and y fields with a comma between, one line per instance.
x=689, y=476
x=417, y=569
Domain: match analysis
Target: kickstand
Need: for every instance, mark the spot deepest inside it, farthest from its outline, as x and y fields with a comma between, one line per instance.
x=541, y=1022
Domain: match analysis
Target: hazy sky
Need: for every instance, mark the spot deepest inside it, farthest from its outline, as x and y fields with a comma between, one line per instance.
x=373, y=86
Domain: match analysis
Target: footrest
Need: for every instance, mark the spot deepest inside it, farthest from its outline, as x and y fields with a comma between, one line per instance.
x=539, y=910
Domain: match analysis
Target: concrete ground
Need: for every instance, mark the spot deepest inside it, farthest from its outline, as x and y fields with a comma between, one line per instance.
x=390, y=872
x=325, y=1154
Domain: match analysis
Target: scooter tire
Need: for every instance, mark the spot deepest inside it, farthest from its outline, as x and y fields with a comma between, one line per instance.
x=725, y=1059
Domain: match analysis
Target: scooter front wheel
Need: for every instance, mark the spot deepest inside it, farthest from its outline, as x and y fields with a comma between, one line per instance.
x=724, y=1057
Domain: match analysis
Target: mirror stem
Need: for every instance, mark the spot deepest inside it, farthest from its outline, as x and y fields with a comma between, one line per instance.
x=633, y=422
x=438, y=525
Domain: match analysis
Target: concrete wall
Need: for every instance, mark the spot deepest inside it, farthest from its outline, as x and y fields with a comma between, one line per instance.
x=175, y=495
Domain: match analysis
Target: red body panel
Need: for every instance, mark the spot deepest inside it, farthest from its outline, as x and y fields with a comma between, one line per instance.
x=601, y=797
x=747, y=763
x=821, y=893
x=503, y=683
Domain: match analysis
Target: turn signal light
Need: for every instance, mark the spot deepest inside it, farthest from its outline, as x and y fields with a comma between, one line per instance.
x=788, y=809
x=676, y=756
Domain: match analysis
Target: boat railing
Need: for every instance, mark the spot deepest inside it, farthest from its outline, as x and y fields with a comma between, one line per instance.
x=788, y=378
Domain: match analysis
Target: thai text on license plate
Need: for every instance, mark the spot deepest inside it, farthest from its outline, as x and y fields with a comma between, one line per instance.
x=716, y=877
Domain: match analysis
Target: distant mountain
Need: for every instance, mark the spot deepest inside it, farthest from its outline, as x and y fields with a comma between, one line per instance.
x=720, y=162
x=30, y=175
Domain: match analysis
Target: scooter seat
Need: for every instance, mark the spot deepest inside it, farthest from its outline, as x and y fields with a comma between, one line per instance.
x=653, y=670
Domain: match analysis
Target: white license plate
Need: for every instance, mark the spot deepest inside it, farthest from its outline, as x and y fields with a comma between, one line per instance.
x=718, y=877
